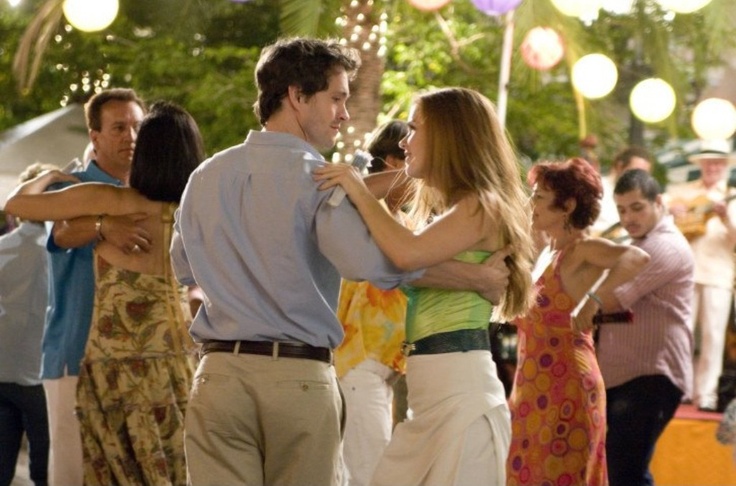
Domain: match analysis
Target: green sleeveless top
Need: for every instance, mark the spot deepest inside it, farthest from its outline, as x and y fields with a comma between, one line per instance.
x=430, y=311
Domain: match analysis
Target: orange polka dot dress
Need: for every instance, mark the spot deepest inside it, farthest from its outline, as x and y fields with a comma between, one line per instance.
x=558, y=402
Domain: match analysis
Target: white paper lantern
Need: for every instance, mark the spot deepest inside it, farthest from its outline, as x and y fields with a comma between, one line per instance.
x=652, y=100
x=90, y=15
x=542, y=48
x=429, y=5
x=594, y=75
x=683, y=6
x=714, y=119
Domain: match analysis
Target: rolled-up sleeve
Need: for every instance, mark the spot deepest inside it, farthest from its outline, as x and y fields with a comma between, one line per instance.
x=179, y=259
x=346, y=242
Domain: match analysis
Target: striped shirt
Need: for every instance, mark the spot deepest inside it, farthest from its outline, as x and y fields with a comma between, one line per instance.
x=658, y=342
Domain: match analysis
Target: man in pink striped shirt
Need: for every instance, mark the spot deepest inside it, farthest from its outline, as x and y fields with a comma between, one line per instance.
x=647, y=364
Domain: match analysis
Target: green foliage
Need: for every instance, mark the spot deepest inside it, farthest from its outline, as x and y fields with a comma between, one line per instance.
x=173, y=50
x=201, y=54
x=541, y=116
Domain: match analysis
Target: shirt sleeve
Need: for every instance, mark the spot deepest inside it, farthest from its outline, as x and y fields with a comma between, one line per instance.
x=179, y=259
x=51, y=245
x=344, y=239
x=665, y=265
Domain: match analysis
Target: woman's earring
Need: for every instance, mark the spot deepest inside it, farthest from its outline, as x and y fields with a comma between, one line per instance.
x=567, y=226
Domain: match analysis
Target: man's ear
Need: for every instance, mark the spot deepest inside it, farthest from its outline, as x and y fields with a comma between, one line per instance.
x=295, y=96
x=93, y=134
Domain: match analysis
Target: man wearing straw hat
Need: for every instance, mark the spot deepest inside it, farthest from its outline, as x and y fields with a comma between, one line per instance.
x=706, y=215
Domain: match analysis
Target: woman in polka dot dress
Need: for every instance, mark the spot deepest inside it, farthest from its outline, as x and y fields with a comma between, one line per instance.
x=558, y=403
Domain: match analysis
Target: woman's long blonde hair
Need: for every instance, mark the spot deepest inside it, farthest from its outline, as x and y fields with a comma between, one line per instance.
x=468, y=153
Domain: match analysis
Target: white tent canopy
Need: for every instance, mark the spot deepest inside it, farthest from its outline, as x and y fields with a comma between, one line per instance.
x=54, y=138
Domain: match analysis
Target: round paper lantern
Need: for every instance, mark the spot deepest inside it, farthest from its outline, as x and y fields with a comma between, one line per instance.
x=496, y=7
x=652, y=100
x=683, y=6
x=429, y=4
x=594, y=75
x=714, y=119
x=90, y=15
x=578, y=8
x=542, y=48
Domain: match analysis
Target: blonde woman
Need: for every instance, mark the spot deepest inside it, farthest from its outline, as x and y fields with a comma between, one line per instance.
x=469, y=203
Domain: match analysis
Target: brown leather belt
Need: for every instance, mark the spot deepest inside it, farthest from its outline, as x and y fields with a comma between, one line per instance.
x=274, y=349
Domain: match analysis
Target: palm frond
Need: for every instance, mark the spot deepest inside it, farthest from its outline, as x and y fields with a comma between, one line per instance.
x=300, y=17
x=33, y=44
x=720, y=18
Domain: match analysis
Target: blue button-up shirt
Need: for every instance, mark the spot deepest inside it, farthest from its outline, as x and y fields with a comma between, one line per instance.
x=267, y=250
x=71, y=297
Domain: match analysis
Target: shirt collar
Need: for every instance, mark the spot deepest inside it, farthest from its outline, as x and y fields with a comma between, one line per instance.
x=100, y=175
x=283, y=139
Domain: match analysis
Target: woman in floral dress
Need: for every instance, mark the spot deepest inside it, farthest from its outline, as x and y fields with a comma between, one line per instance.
x=558, y=402
x=137, y=368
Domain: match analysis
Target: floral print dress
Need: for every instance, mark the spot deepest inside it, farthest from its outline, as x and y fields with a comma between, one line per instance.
x=135, y=379
x=558, y=402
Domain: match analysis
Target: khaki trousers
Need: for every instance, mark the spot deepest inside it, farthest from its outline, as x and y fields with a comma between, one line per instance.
x=65, y=458
x=255, y=420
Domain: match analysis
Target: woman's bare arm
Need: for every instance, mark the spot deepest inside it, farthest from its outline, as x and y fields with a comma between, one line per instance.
x=458, y=229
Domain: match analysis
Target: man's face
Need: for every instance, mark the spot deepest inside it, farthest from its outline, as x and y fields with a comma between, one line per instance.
x=712, y=170
x=638, y=215
x=115, y=141
x=322, y=113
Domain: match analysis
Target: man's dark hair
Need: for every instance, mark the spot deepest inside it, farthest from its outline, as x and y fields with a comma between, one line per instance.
x=169, y=147
x=301, y=62
x=93, y=107
x=624, y=156
x=638, y=179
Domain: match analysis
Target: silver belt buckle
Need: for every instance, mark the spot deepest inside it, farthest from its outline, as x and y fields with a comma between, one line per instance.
x=407, y=348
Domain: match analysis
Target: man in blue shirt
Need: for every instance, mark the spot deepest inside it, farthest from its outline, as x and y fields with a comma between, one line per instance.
x=113, y=118
x=268, y=250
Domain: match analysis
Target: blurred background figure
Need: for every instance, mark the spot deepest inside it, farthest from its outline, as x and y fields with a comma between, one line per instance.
x=726, y=432
x=647, y=366
x=23, y=300
x=633, y=157
x=369, y=360
x=705, y=212
x=7, y=222
x=589, y=152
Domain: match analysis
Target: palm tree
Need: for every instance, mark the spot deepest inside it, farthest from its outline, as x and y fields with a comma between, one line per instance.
x=359, y=26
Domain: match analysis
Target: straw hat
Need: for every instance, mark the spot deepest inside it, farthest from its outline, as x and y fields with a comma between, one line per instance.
x=713, y=149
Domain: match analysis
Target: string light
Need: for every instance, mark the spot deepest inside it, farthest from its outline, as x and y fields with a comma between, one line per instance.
x=365, y=25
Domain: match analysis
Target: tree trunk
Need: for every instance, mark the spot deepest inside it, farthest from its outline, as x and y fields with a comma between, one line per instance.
x=362, y=31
